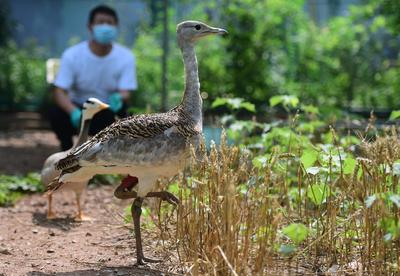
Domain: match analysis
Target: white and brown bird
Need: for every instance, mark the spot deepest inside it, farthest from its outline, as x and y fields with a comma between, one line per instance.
x=49, y=172
x=149, y=146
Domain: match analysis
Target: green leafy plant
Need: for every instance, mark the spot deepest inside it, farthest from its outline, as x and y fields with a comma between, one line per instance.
x=13, y=187
x=296, y=232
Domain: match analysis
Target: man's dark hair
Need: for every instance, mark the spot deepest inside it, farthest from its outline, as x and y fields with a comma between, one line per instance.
x=102, y=9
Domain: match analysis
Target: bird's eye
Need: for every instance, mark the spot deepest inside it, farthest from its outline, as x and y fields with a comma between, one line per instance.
x=197, y=27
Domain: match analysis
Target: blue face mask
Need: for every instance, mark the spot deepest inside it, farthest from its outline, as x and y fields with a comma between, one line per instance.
x=104, y=33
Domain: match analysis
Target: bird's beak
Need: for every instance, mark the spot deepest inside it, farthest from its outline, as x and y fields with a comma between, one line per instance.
x=217, y=31
x=104, y=106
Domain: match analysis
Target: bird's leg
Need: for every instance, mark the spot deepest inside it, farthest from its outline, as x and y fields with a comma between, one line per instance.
x=80, y=216
x=136, y=212
x=124, y=190
x=164, y=195
x=50, y=214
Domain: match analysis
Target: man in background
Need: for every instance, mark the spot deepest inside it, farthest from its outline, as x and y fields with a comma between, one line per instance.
x=99, y=68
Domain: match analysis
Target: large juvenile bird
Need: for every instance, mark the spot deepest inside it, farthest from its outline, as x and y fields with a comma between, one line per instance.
x=146, y=146
x=49, y=172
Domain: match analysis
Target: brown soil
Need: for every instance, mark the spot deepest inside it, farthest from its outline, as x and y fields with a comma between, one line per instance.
x=25, y=151
x=32, y=245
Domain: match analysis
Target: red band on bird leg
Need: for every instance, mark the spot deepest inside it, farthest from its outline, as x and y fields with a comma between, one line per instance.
x=129, y=182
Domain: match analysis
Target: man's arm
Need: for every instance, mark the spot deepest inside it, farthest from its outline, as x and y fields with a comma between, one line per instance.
x=62, y=100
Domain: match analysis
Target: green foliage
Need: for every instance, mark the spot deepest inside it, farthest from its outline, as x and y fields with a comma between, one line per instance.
x=390, y=223
x=12, y=187
x=318, y=193
x=286, y=100
x=233, y=104
x=296, y=232
x=106, y=179
x=349, y=165
x=309, y=157
x=148, y=72
x=260, y=161
x=391, y=10
x=23, y=78
x=337, y=64
x=395, y=114
x=273, y=49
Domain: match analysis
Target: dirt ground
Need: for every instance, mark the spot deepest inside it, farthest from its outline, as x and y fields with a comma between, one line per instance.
x=25, y=151
x=32, y=245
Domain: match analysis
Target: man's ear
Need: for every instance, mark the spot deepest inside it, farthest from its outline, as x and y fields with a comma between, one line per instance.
x=90, y=27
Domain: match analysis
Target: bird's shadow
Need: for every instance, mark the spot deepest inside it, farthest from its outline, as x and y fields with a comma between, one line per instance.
x=117, y=270
x=64, y=224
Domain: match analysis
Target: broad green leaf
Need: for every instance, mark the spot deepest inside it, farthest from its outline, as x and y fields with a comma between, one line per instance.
x=286, y=100
x=349, y=165
x=293, y=101
x=394, y=115
x=370, y=200
x=318, y=193
x=275, y=100
x=297, y=232
x=309, y=157
x=248, y=106
x=218, y=102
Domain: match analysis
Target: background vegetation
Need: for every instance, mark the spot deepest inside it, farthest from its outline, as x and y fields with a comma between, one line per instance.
x=274, y=47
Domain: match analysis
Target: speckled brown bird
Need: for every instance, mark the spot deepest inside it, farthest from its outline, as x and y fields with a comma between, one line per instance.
x=148, y=146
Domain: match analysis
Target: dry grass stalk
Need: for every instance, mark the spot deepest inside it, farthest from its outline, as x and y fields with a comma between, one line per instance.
x=231, y=213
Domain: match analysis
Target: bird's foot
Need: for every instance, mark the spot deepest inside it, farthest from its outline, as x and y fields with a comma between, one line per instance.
x=142, y=260
x=51, y=215
x=81, y=218
x=167, y=196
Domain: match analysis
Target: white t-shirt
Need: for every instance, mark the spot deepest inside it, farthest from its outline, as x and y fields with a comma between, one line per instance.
x=84, y=74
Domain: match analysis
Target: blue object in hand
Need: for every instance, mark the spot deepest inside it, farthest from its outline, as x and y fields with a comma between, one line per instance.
x=75, y=117
x=115, y=101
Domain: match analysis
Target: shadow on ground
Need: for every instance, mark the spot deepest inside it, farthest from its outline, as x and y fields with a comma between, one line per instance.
x=120, y=271
x=63, y=224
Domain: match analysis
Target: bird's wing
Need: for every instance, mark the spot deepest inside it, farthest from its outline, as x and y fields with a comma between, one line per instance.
x=130, y=130
x=126, y=151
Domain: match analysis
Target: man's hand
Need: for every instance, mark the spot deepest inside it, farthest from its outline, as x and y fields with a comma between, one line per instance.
x=75, y=117
x=115, y=101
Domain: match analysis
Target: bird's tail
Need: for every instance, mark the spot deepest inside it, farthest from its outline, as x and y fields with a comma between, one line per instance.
x=53, y=186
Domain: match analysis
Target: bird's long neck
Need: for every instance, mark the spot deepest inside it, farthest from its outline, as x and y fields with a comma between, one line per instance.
x=83, y=133
x=191, y=102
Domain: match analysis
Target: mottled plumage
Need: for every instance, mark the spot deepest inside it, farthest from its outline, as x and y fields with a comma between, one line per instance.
x=148, y=146
x=135, y=130
x=146, y=140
